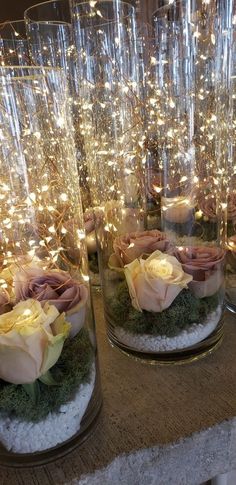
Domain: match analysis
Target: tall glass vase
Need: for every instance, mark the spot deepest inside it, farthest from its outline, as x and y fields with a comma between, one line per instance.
x=51, y=43
x=162, y=285
x=48, y=29
x=108, y=82
x=227, y=156
x=13, y=44
x=183, y=182
x=49, y=384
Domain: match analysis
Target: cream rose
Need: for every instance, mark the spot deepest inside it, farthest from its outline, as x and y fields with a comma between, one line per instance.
x=177, y=209
x=31, y=341
x=154, y=283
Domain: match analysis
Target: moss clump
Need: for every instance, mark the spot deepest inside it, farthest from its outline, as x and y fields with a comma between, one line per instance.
x=209, y=230
x=71, y=370
x=184, y=311
x=93, y=263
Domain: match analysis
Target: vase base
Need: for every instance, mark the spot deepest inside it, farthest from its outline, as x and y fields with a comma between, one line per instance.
x=88, y=424
x=173, y=357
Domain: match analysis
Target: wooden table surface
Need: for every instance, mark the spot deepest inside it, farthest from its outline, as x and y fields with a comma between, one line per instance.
x=146, y=407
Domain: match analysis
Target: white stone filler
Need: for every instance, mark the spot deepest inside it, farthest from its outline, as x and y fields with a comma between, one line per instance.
x=190, y=336
x=27, y=437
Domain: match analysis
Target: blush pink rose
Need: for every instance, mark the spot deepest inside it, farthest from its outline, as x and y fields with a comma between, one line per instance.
x=207, y=204
x=56, y=288
x=231, y=253
x=89, y=221
x=130, y=246
x=231, y=207
x=206, y=265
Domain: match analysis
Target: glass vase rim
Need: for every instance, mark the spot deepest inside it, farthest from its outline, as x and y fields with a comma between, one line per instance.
x=13, y=22
x=43, y=4
x=109, y=20
x=88, y=2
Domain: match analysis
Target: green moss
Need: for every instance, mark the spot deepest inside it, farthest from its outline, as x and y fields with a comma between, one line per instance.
x=71, y=370
x=184, y=311
x=230, y=228
x=209, y=230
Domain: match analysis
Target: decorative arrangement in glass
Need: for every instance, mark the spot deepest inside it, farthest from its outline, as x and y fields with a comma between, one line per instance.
x=50, y=39
x=105, y=38
x=183, y=180
x=162, y=285
x=13, y=43
x=49, y=389
x=227, y=137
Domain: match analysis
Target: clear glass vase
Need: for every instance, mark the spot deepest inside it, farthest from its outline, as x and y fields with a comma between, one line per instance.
x=51, y=43
x=49, y=380
x=13, y=44
x=227, y=153
x=182, y=187
x=111, y=119
x=162, y=283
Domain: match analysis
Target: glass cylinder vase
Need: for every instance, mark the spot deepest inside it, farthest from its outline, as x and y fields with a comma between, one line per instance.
x=162, y=285
x=51, y=43
x=49, y=382
x=227, y=152
x=13, y=44
x=107, y=61
x=183, y=182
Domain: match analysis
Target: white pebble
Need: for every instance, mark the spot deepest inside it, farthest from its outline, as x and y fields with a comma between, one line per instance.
x=194, y=334
x=27, y=437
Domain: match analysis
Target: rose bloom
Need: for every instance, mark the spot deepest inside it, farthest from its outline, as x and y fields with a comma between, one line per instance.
x=231, y=253
x=57, y=288
x=31, y=341
x=207, y=204
x=177, y=209
x=89, y=225
x=154, y=283
x=7, y=273
x=205, y=264
x=89, y=221
x=231, y=207
x=130, y=246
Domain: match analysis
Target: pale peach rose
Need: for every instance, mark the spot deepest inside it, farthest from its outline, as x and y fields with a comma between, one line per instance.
x=154, y=283
x=205, y=264
x=130, y=246
x=177, y=209
x=31, y=341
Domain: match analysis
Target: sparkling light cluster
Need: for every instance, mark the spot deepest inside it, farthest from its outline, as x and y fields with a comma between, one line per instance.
x=40, y=210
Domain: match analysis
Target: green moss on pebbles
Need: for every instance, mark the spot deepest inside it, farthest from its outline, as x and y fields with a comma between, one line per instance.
x=184, y=311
